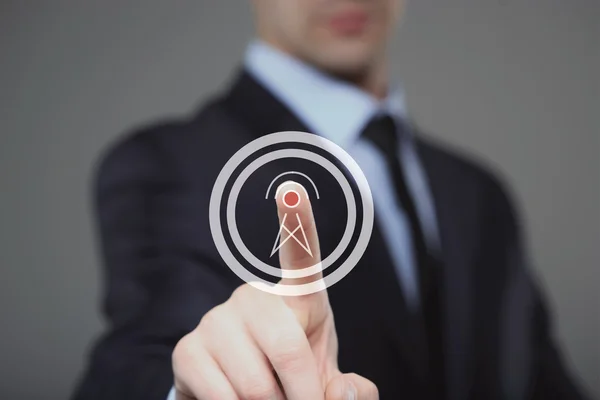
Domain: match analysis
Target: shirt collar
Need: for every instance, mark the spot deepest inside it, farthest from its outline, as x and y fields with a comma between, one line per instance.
x=330, y=107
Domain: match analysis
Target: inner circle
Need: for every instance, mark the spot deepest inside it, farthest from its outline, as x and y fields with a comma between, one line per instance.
x=291, y=199
x=239, y=243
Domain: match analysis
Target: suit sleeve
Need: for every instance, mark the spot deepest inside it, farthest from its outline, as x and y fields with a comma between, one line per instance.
x=158, y=281
x=552, y=379
x=528, y=329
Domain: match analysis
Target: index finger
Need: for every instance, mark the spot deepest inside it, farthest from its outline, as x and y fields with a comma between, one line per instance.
x=298, y=243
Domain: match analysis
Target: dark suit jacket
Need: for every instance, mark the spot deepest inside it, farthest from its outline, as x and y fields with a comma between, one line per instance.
x=163, y=271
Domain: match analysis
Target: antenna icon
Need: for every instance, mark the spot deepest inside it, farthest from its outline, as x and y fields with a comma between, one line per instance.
x=291, y=199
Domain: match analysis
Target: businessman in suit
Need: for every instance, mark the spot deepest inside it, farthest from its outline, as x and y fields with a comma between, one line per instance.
x=442, y=305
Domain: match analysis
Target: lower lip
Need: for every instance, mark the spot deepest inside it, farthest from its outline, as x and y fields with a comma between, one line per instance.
x=349, y=24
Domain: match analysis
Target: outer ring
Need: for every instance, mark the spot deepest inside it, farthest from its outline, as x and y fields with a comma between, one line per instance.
x=215, y=216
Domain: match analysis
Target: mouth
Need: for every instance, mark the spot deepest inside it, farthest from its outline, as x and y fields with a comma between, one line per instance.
x=349, y=22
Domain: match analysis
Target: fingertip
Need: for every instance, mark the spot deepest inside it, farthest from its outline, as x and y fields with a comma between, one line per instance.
x=292, y=196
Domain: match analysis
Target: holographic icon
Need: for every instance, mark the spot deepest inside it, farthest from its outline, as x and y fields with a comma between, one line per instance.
x=225, y=196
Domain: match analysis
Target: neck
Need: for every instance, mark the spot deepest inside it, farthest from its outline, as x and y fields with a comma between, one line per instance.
x=372, y=79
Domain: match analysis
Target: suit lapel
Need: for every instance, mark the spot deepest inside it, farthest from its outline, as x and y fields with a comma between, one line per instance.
x=259, y=109
x=405, y=327
x=457, y=296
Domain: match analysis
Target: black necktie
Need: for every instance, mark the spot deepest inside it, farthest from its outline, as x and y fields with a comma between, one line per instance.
x=383, y=132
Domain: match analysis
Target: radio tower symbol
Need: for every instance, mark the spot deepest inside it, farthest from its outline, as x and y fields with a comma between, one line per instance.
x=291, y=199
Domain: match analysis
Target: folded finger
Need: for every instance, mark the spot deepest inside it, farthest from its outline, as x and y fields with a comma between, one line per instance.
x=198, y=376
x=244, y=364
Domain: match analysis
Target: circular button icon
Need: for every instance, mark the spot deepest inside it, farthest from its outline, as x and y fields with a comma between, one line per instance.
x=291, y=199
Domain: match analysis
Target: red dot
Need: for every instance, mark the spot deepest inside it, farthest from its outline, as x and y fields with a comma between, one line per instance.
x=291, y=199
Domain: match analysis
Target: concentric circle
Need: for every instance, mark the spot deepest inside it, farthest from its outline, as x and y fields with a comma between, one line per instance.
x=290, y=138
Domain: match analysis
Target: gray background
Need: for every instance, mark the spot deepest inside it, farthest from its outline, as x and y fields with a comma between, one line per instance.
x=515, y=81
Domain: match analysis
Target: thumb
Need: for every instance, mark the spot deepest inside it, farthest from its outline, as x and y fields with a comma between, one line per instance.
x=351, y=387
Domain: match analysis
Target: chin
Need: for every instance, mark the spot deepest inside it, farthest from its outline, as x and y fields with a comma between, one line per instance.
x=342, y=54
x=346, y=61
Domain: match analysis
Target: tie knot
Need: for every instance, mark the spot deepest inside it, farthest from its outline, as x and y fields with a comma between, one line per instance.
x=381, y=130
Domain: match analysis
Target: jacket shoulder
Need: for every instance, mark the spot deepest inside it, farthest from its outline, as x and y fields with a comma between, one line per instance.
x=158, y=133
x=158, y=143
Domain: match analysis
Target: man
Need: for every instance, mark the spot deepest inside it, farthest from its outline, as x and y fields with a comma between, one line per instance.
x=441, y=305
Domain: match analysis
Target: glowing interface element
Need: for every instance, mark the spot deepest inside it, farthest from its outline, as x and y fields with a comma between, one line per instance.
x=291, y=199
